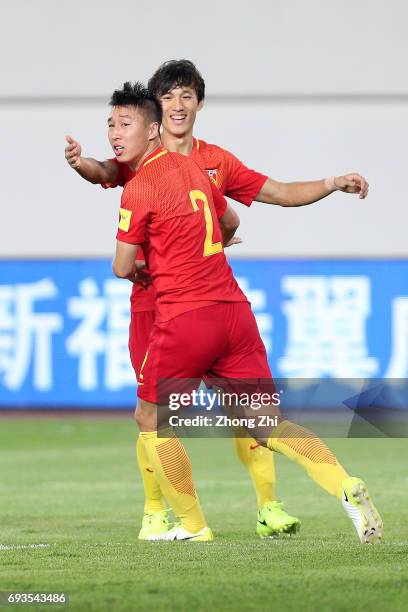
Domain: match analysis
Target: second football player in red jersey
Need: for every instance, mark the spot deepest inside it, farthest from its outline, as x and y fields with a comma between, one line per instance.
x=204, y=324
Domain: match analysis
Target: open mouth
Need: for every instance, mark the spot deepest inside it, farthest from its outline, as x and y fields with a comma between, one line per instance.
x=118, y=150
x=178, y=119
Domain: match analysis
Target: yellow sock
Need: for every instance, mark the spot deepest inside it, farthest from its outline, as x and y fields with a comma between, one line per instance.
x=306, y=449
x=154, y=501
x=173, y=471
x=260, y=464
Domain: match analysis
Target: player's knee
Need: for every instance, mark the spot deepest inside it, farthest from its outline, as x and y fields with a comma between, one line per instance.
x=146, y=416
x=260, y=439
x=140, y=418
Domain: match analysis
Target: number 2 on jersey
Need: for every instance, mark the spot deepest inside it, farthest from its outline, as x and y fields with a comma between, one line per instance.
x=210, y=247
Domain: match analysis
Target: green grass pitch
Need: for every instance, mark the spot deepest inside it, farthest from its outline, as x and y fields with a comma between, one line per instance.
x=73, y=484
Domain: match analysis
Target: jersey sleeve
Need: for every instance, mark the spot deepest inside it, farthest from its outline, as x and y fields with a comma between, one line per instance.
x=136, y=207
x=243, y=184
x=220, y=203
x=122, y=176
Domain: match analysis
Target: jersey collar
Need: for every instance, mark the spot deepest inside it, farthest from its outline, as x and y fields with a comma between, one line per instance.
x=154, y=155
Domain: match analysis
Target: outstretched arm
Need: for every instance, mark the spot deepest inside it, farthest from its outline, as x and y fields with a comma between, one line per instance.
x=301, y=194
x=94, y=171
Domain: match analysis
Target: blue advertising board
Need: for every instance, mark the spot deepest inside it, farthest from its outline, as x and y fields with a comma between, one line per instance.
x=64, y=325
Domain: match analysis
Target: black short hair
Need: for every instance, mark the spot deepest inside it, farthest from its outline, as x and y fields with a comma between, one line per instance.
x=136, y=94
x=177, y=73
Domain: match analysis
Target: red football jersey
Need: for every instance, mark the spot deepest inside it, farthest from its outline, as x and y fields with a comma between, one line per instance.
x=170, y=207
x=227, y=172
x=232, y=178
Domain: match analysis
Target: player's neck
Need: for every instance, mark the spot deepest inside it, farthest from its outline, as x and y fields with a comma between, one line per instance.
x=153, y=145
x=178, y=144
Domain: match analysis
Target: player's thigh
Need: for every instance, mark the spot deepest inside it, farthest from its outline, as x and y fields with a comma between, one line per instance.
x=180, y=351
x=246, y=357
x=140, y=328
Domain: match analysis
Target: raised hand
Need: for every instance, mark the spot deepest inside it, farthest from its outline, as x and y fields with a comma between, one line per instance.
x=73, y=152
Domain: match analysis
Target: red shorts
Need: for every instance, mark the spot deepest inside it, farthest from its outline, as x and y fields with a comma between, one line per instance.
x=141, y=324
x=220, y=341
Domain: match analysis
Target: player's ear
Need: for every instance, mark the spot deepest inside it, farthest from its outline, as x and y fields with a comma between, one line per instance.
x=154, y=130
x=200, y=105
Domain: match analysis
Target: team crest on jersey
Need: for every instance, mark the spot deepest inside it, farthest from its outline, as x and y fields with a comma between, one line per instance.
x=124, y=219
x=213, y=175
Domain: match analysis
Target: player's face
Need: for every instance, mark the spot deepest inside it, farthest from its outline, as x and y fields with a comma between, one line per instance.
x=180, y=107
x=129, y=134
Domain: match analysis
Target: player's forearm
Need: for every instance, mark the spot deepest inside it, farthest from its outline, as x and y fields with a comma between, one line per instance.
x=294, y=194
x=229, y=224
x=302, y=194
x=124, y=263
x=124, y=269
x=95, y=171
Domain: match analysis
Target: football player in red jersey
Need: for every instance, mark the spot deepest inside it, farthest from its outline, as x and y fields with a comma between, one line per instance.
x=181, y=89
x=204, y=325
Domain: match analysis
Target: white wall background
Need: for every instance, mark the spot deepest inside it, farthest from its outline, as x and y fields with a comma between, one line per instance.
x=298, y=90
